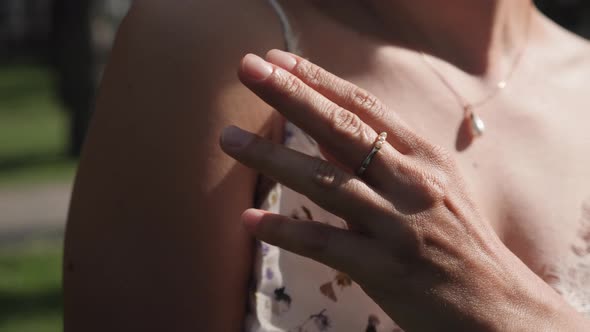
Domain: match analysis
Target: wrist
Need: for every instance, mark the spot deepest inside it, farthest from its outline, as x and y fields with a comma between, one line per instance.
x=529, y=304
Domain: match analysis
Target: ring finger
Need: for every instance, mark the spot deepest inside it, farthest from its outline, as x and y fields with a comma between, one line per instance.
x=342, y=132
x=328, y=186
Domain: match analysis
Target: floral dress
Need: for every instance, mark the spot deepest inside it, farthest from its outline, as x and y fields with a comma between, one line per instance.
x=296, y=294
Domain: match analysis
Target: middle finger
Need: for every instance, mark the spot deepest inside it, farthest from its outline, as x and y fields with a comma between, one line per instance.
x=324, y=183
x=342, y=132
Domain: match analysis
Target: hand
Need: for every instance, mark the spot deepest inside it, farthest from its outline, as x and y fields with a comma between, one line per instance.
x=415, y=243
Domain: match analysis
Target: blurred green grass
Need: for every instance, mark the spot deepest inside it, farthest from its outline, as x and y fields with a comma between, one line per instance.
x=30, y=288
x=33, y=128
x=33, y=141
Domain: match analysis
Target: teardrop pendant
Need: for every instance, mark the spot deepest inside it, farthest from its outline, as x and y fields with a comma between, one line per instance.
x=477, y=125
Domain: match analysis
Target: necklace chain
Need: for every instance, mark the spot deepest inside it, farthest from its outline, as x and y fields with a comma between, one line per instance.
x=473, y=122
x=467, y=106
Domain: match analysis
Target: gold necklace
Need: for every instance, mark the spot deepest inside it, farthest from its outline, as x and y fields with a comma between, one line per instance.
x=476, y=124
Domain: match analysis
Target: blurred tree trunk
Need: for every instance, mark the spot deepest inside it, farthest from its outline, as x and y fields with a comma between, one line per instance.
x=73, y=59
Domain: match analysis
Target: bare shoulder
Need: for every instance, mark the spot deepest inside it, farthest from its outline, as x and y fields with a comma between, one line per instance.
x=566, y=55
x=153, y=182
x=172, y=46
x=171, y=85
x=231, y=24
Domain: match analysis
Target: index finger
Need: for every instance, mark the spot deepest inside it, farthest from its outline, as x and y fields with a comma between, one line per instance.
x=342, y=132
x=346, y=94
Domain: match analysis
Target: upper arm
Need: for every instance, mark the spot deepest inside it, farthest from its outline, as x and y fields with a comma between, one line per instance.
x=153, y=238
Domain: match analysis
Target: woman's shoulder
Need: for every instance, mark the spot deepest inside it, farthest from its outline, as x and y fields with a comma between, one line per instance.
x=231, y=24
x=198, y=45
x=564, y=52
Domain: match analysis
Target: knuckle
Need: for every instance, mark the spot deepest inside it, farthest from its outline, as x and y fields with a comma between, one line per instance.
x=366, y=102
x=440, y=158
x=326, y=174
x=441, y=155
x=421, y=181
x=291, y=84
x=433, y=153
x=312, y=74
x=421, y=147
x=347, y=123
x=435, y=185
x=429, y=187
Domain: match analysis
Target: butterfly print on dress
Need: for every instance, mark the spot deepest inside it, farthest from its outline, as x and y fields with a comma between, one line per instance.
x=319, y=322
x=282, y=301
x=341, y=279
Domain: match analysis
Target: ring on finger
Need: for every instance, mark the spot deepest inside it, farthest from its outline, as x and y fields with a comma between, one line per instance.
x=381, y=139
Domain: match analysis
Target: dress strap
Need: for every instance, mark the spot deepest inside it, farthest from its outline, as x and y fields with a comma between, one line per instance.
x=291, y=40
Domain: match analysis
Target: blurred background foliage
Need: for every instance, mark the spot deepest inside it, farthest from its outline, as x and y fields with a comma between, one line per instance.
x=51, y=57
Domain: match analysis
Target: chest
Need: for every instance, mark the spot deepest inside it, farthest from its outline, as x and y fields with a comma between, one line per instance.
x=529, y=173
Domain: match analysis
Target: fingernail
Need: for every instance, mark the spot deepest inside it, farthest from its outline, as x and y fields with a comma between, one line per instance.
x=281, y=59
x=235, y=137
x=251, y=218
x=256, y=68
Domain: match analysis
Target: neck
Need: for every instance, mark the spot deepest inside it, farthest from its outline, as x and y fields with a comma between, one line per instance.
x=474, y=35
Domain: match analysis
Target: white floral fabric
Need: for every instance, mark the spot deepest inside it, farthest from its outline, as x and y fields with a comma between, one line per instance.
x=295, y=294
